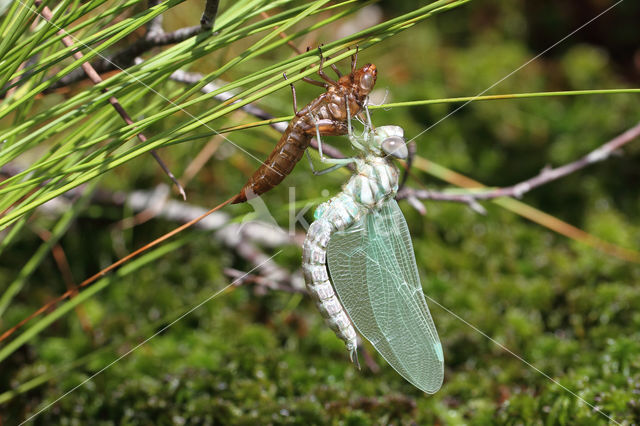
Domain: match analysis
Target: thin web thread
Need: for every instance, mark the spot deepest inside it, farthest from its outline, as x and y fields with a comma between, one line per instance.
x=162, y=330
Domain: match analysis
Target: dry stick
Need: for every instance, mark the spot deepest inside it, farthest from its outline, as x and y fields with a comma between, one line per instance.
x=154, y=37
x=545, y=176
x=175, y=211
x=558, y=226
x=113, y=266
x=96, y=79
x=124, y=58
x=209, y=15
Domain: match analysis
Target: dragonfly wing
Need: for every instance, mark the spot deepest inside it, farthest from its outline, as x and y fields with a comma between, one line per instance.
x=373, y=269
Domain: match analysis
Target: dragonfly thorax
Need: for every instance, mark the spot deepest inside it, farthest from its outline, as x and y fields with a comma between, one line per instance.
x=375, y=182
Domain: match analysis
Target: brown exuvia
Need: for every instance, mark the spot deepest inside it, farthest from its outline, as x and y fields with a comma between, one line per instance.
x=328, y=111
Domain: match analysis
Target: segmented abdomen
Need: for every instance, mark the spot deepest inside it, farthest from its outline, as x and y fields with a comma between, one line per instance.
x=314, y=266
x=280, y=162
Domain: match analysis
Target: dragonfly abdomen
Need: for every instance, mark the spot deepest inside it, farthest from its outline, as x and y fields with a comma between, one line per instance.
x=314, y=267
x=280, y=163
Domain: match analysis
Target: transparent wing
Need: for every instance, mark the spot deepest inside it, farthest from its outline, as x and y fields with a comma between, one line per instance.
x=373, y=269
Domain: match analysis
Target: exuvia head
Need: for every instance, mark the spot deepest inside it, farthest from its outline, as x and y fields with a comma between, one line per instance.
x=390, y=140
x=363, y=80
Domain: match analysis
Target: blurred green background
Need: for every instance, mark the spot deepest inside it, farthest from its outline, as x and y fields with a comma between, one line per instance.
x=256, y=356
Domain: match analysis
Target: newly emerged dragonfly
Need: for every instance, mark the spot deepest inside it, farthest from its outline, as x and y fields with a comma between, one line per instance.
x=363, y=238
x=328, y=113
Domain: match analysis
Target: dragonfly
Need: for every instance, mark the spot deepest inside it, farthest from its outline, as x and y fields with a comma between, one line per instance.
x=360, y=245
x=327, y=112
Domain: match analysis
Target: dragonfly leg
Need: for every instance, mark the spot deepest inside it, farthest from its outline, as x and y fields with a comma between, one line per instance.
x=321, y=73
x=366, y=111
x=328, y=169
x=310, y=80
x=335, y=68
x=349, y=128
x=314, y=82
x=337, y=162
x=352, y=138
x=368, y=128
x=293, y=93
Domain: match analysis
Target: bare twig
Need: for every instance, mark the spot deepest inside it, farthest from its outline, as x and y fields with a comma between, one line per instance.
x=113, y=266
x=208, y=19
x=413, y=195
x=547, y=175
x=154, y=37
x=96, y=79
x=125, y=58
x=193, y=77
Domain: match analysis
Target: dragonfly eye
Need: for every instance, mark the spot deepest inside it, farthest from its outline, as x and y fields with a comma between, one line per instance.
x=395, y=146
x=366, y=82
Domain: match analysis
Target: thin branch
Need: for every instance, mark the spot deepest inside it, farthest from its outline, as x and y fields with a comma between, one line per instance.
x=96, y=79
x=111, y=267
x=240, y=237
x=413, y=195
x=547, y=175
x=208, y=19
x=125, y=58
x=155, y=25
x=154, y=37
x=186, y=77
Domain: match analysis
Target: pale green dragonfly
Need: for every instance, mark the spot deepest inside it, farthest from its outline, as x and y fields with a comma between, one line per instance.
x=363, y=238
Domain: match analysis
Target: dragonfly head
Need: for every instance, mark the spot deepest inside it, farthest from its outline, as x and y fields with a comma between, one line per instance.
x=390, y=140
x=364, y=79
